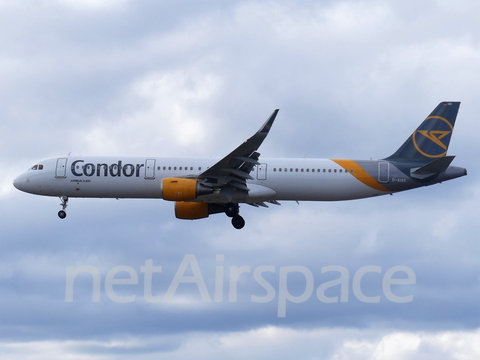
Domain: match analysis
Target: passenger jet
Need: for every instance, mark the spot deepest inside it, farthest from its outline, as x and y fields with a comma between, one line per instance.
x=200, y=187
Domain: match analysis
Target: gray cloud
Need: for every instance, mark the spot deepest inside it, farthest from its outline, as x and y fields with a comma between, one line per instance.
x=172, y=78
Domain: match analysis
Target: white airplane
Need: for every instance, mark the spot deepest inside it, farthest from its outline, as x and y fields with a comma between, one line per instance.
x=201, y=187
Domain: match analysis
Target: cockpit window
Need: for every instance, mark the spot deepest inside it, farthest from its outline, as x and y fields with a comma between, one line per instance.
x=40, y=167
x=37, y=167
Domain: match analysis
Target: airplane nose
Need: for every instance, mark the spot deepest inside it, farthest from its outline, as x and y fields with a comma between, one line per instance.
x=16, y=183
x=19, y=182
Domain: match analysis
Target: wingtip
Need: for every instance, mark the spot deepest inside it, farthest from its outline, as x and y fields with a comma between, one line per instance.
x=268, y=124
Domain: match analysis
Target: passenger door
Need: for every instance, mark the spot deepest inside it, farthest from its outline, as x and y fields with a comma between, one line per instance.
x=61, y=169
x=383, y=172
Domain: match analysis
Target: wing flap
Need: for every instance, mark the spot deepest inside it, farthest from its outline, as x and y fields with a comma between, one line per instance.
x=247, y=160
x=239, y=173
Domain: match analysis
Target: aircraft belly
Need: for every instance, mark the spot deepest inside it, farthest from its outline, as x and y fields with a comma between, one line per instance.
x=257, y=193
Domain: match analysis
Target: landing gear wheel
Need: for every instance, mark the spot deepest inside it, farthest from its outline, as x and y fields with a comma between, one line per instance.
x=62, y=214
x=238, y=222
x=231, y=209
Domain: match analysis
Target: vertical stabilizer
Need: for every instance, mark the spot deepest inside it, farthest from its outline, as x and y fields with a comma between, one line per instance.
x=431, y=139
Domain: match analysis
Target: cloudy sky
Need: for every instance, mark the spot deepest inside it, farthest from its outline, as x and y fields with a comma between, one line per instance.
x=352, y=79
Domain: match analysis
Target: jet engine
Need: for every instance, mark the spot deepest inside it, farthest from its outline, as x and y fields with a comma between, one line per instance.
x=178, y=189
x=191, y=210
x=196, y=210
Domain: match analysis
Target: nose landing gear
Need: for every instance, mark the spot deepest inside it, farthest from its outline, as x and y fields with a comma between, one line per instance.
x=62, y=214
x=232, y=210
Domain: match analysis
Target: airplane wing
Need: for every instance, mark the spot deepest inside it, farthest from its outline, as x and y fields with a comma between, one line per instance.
x=234, y=169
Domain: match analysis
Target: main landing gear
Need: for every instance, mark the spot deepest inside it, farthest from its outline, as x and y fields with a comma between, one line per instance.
x=232, y=210
x=62, y=214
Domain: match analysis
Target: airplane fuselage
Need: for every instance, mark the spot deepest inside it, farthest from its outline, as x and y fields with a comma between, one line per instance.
x=204, y=186
x=273, y=179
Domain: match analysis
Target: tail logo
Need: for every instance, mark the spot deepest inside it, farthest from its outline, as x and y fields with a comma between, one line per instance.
x=432, y=138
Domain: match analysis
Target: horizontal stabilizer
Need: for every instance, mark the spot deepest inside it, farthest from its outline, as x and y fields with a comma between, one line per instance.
x=436, y=166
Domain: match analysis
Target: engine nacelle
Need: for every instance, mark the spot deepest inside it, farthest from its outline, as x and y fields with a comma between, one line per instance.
x=196, y=210
x=191, y=210
x=178, y=189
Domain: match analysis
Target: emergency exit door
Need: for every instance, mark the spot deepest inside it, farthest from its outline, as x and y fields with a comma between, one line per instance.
x=150, y=169
x=262, y=172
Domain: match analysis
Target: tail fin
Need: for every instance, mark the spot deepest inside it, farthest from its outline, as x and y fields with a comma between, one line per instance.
x=430, y=140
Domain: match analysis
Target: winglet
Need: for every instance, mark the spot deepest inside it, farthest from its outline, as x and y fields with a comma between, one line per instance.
x=268, y=124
